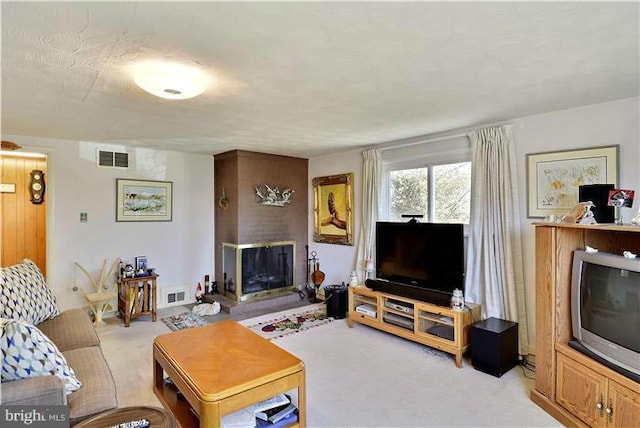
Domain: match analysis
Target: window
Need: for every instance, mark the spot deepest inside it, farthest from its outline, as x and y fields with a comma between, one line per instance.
x=441, y=193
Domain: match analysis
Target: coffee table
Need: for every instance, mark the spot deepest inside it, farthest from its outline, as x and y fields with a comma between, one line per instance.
x=222, y=368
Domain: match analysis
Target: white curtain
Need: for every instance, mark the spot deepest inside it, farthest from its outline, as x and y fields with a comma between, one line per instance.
x=495, y=277
x=371, y=189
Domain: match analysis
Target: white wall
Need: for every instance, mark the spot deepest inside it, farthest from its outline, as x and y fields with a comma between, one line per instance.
x=336, y=261
x=180, y=250
x=595, y=125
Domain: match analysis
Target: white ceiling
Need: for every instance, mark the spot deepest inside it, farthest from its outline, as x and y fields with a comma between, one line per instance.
x=307, y=78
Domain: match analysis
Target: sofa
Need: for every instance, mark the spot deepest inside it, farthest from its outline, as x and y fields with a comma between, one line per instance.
x=49, y=357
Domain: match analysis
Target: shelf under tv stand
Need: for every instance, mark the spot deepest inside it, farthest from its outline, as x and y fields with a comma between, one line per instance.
x=437, y=326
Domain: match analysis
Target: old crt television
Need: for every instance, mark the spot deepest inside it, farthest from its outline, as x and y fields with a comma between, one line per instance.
x=422, y=261
x=605, y=308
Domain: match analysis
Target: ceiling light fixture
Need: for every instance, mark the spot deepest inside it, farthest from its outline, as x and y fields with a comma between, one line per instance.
x=170, y=80
x=23, y=154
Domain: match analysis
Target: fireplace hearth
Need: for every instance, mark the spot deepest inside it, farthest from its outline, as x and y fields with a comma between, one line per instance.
x=257, y=271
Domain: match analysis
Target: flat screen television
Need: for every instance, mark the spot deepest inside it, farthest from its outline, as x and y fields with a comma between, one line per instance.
x=605, y=308
x=422, y=261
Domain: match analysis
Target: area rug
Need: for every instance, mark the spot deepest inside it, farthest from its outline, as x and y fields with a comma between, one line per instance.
x=298, y=320
x=184, y=320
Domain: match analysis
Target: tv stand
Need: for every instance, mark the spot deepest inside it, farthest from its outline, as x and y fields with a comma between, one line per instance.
x=437, y=326
x=571, y=386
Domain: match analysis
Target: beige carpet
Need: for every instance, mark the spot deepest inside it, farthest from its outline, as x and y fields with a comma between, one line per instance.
x=358, y=377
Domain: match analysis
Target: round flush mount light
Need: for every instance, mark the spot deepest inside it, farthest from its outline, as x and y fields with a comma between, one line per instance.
x=170, y=80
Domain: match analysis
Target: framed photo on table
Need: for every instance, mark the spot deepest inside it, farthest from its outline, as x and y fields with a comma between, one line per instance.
x=554, y=178
x=144, y=200
x=333, y=209
x=141, y=263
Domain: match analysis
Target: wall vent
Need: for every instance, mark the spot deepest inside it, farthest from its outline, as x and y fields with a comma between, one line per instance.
x=113, y=159
x=175, y=296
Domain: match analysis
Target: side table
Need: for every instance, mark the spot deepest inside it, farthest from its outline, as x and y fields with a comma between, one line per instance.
x=137, y=297
x=158, y=417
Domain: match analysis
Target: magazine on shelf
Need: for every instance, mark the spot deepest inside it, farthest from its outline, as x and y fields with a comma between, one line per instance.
x=243, y=418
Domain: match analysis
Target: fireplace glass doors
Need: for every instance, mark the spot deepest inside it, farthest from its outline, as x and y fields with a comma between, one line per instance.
x=256, y=271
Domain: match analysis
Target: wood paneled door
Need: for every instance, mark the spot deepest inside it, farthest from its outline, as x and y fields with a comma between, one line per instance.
x=24, y=224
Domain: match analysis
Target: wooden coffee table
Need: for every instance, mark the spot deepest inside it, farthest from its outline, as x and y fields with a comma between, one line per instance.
x=221, y=368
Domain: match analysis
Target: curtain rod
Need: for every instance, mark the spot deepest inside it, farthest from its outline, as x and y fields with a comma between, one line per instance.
x=432, y=138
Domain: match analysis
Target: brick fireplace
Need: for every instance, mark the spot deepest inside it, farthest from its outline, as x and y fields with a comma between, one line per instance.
x=242, y=222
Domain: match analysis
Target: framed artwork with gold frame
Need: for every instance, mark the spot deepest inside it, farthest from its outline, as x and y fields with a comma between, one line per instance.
x=333, y=209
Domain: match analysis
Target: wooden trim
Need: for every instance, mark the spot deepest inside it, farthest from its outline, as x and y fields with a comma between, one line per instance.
x=545, y=298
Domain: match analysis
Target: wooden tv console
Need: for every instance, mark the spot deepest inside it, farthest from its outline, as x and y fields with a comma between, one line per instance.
x=427, y=324
x=573, y=388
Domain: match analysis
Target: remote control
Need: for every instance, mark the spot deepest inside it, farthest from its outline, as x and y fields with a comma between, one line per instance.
x=137, y=423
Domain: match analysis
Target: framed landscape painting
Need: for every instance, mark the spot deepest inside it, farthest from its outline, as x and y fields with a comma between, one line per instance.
x=144, y=200
x=553, y=178
x=333, y=209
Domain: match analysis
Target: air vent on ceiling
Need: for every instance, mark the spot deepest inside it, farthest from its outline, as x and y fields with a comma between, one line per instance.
x=113, y=159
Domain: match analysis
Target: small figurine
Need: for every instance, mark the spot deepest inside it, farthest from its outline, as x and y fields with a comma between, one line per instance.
x=199, y=293
x=587, y=216
x=636, y=219
x=581, y=213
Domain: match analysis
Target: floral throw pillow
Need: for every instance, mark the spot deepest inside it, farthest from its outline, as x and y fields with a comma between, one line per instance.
x=27, y=352
x=24, y=294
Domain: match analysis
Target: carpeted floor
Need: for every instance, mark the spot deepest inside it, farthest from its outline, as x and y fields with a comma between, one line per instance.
x=356, y=377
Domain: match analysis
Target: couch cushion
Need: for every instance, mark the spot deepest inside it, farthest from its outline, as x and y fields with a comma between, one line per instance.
x=34, y=391
x=98, y=392
x=72, y=329
x=26, y=352
x=24, y=294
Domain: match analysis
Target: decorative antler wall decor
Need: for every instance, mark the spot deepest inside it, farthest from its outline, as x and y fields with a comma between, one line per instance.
x=273, y=196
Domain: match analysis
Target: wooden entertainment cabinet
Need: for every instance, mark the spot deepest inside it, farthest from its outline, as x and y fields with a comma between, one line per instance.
x=572, y=387
x=436, y=326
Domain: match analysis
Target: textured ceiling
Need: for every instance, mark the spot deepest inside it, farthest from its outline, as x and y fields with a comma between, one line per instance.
x=307, y=78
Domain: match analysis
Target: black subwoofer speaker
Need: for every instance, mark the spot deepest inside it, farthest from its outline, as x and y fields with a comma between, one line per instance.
x=494, y=346
x=336, y=301
x=599, y=195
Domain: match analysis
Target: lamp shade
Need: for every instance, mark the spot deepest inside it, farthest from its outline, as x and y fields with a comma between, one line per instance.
x=171, y=80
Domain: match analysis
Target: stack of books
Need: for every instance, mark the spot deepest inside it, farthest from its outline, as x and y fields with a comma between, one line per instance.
x=276, y=412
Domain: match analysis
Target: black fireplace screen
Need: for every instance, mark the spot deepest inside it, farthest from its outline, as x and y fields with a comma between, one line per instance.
x=255, y=271
x=266, y=268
